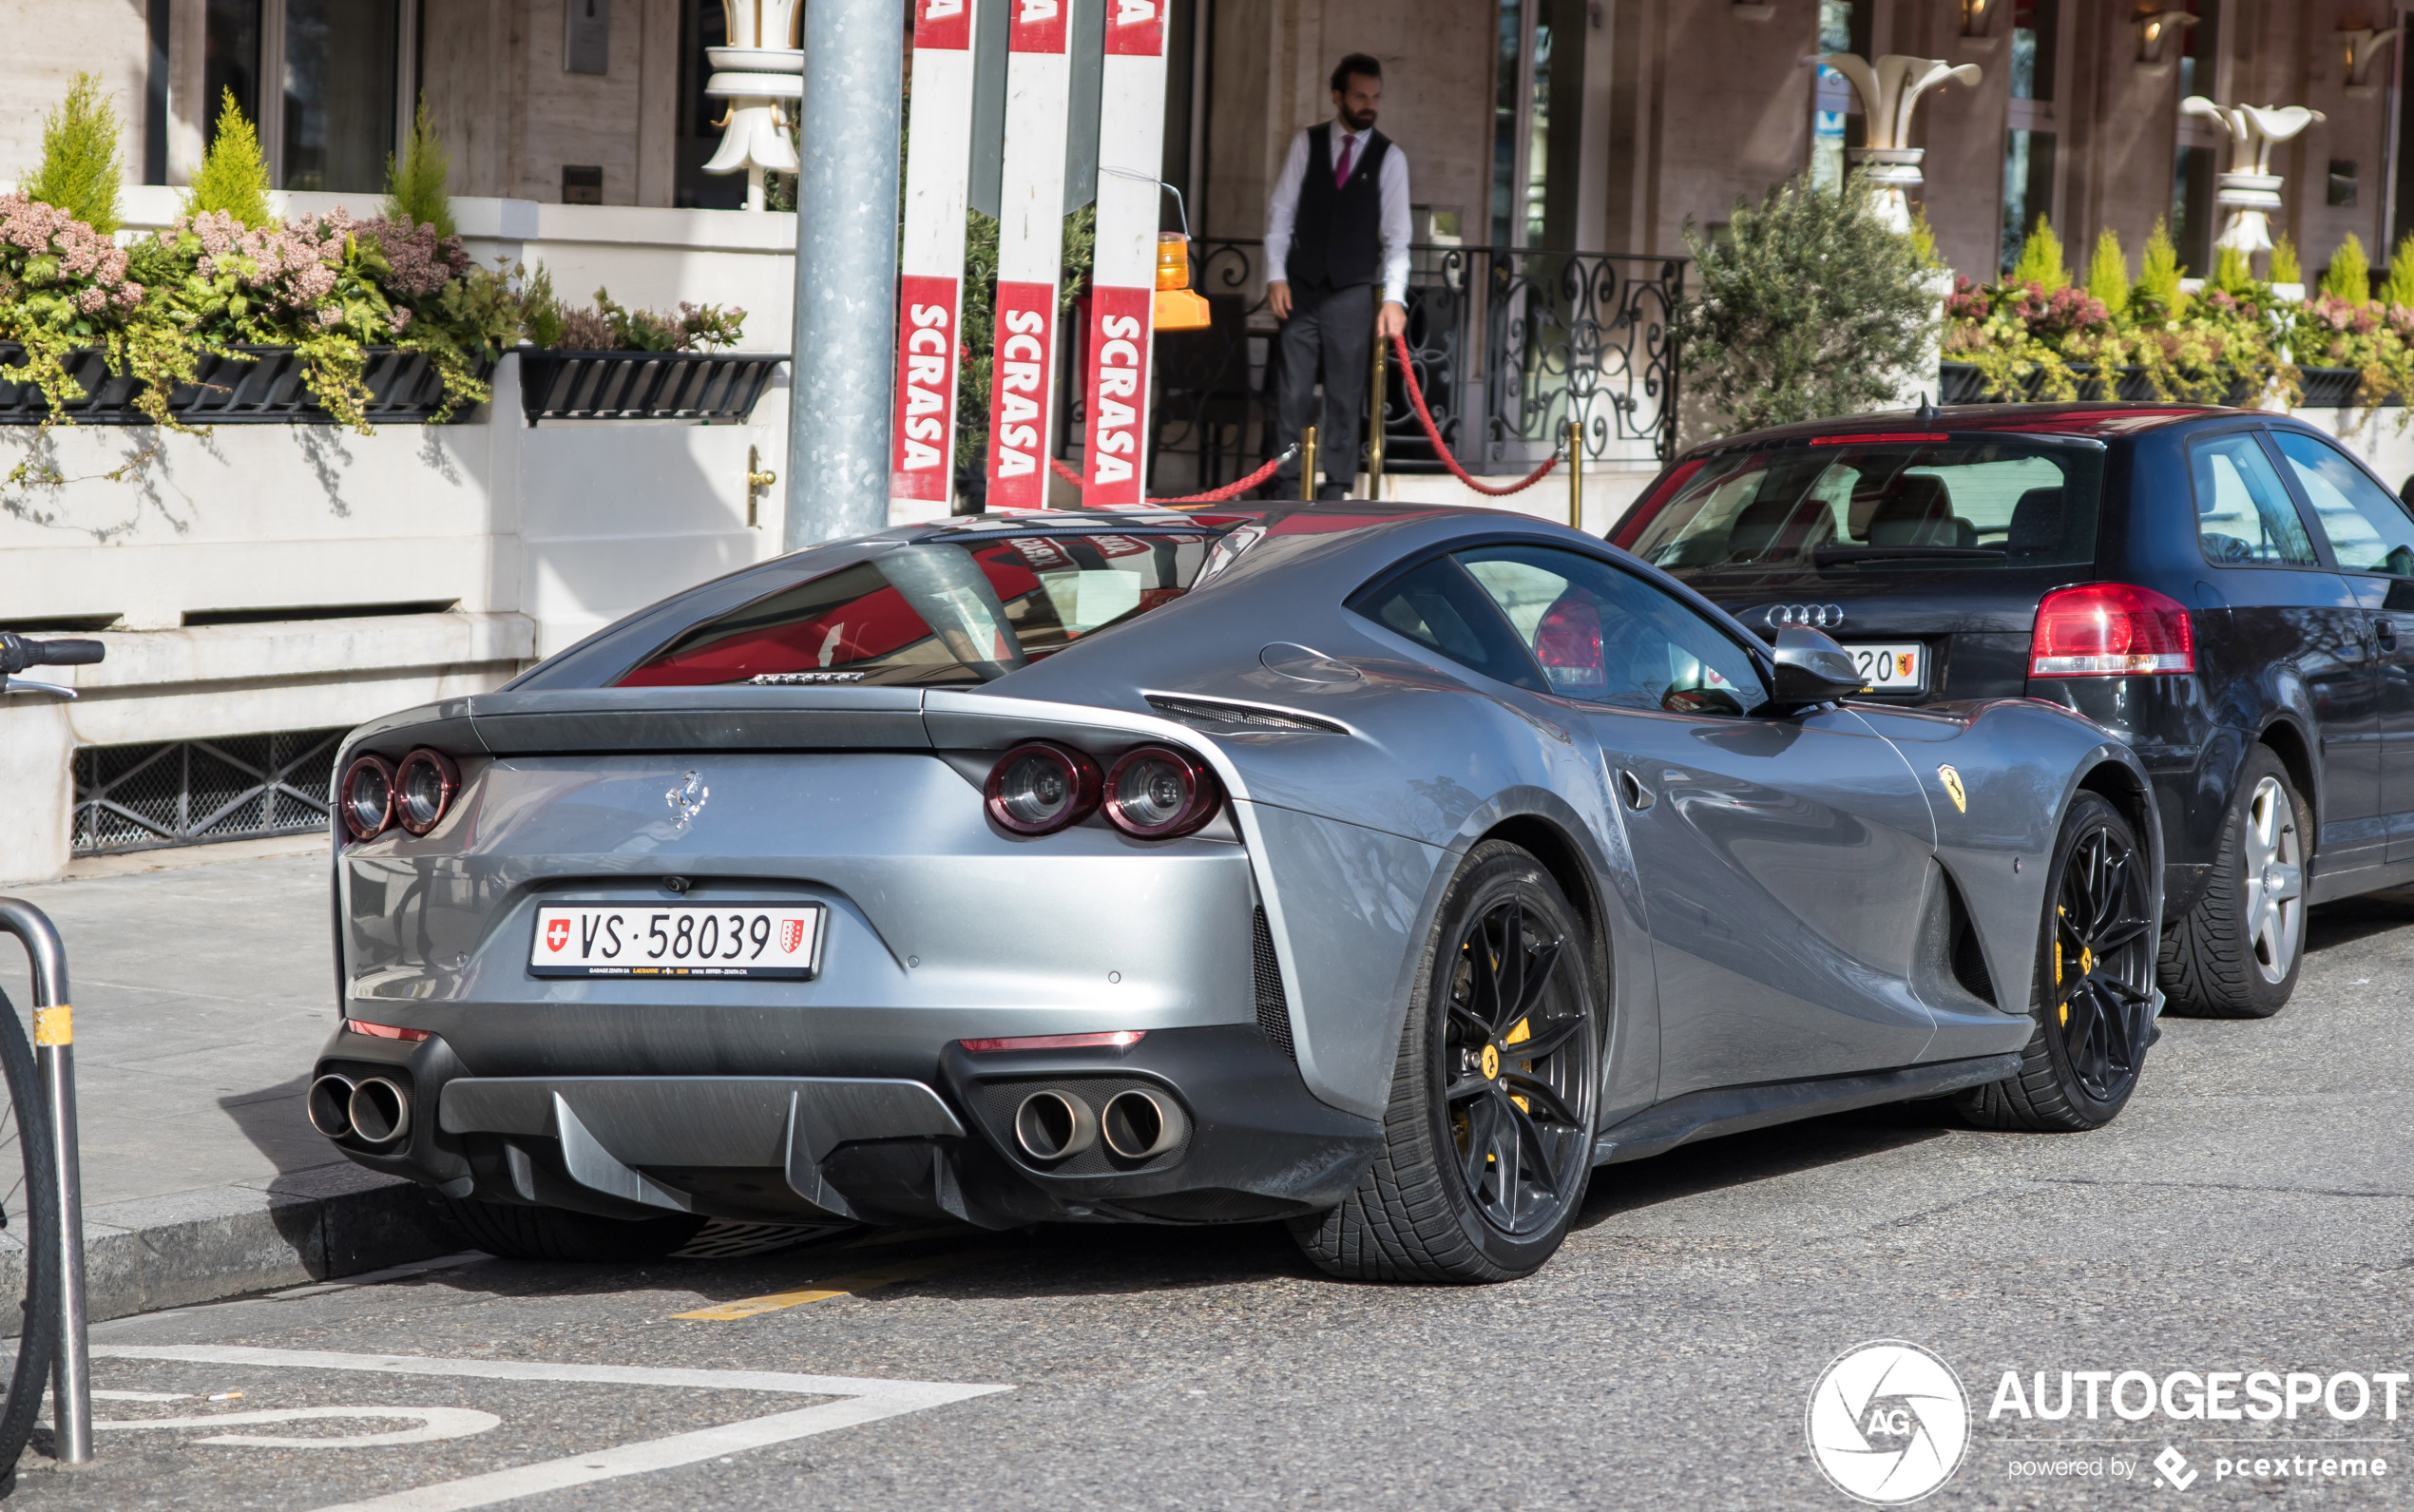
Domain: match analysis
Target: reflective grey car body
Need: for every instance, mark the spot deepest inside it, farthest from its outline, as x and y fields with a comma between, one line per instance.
x=1788, y=915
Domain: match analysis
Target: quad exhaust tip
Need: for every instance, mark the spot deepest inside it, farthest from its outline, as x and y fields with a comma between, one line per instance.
x=380, y=1111
x=1141, y=1126
x=1051, y=1125
x=330, y=1105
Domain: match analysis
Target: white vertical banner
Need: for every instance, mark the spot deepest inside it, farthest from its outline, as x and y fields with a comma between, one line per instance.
x=1131, y=150
x=930, y=259
x=1030, y=253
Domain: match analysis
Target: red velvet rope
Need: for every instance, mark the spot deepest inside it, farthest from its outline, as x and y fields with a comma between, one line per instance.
x=1229, y=491
x=1425, y=418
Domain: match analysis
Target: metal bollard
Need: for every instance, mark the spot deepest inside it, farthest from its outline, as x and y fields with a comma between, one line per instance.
x=1379, y=399
x=1575, y=475
x=54, y=1061
x=1308, y=462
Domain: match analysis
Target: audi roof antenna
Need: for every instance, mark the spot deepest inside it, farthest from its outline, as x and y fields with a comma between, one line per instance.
x=1925, y=413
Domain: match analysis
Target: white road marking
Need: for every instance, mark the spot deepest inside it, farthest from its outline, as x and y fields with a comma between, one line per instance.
x=141, y=1396
x=865, y=1400
x=434, y=1423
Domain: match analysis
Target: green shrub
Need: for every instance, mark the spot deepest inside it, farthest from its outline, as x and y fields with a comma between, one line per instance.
x=2156, y=294
x=80, y=164
x=540, y=312
x=1810, y=306
x=2040, y=260
x=2398, y=289
x=2230, y=272
x=2108, y=272
x=2350, y=274
x=2284, y=268
x=416, y=182
x=232, y=180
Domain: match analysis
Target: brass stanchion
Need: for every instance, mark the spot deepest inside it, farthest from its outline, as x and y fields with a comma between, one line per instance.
x=1307, y=462
x=1375, y=411
x=1575, y=475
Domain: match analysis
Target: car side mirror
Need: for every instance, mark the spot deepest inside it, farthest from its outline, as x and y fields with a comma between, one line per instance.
x=1812, y=668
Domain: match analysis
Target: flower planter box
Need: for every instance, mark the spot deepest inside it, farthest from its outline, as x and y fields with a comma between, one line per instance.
x=2325, y=387
x=249, y=386
x=707, y=386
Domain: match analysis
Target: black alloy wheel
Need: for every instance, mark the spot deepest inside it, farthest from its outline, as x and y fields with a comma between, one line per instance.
x=1516, y=1087
x=2094, y=998
x=1488, y=1143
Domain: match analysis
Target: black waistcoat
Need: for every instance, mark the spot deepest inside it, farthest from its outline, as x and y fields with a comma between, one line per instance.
x=1336, y=237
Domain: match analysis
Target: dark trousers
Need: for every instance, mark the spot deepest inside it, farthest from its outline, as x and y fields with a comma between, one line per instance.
x=1329, y=331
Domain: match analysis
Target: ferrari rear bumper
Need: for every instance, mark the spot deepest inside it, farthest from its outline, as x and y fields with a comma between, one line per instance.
x=1237, y=1138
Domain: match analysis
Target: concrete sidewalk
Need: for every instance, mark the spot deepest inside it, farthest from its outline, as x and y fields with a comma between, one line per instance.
x=201, y=995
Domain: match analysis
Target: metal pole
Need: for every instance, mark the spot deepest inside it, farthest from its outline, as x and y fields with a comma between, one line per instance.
x=54, y=1061
x=1307, y=462
x=1575, y=475
x=838, y=414
x=1375, y=422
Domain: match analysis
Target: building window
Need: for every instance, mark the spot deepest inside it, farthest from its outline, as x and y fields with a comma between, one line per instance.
x=1536, y=106
x=338, y=122
x=2342, y=188
x=2028, y=135
x=1832, y=101
x=331, y=125
x=2193, y=162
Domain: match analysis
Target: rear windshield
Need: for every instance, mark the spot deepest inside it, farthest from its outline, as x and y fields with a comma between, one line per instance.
x=934, y=614
x=1964, y=503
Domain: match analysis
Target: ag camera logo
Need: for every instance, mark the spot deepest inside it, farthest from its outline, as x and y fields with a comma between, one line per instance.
x=1889, y=1422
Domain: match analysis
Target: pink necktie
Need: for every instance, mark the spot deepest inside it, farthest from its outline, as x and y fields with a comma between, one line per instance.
x=1349, y=152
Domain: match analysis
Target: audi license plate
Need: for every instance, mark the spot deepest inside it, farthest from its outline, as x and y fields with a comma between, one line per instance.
x=679, y=940
x=1900, y=668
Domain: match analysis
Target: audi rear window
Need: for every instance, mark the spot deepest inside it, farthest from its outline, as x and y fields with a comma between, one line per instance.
x=932, y=614
x=1964, y=503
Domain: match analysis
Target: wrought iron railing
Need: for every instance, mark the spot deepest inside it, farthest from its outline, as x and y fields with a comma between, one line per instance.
x=136, y=798
x=1508, y=344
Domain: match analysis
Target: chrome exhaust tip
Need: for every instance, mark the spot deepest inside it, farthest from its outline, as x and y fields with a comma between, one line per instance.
x=1142, y=1125
x=330, y=1105
x=380, y=1111
x=1051, y=1125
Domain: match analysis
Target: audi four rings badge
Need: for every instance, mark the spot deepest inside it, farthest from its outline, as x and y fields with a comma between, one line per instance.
x=1817, y=615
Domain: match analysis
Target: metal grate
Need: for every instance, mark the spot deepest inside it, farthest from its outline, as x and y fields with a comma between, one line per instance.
x=705, y=386
x=243, y=385
x=1274, y=1008
x=138, y=797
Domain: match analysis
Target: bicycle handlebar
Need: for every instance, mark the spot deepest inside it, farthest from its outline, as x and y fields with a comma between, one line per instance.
x=17, y=653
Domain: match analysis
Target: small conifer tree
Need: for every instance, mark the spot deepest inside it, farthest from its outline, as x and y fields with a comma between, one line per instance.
x=2399, y=287
x=232, y=176
x=2284, y=267
x=416, y=182
x=2040, y=260
x=2230, y=272
x=2350, y=274
x=2108, y=272
x=80, y=164
x=2157, y=289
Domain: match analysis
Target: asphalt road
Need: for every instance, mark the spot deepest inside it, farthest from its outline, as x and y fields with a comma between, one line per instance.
x=2250, y=1212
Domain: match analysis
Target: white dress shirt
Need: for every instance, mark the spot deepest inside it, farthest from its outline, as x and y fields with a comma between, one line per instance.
x=1282, y=210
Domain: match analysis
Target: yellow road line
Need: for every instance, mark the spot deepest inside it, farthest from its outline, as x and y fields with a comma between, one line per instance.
x=861, y=1281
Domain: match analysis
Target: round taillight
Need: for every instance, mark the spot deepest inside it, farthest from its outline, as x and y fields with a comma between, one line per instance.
x=424, y=789
x=1039, y=789
x=366, y=796
x=1156, y=793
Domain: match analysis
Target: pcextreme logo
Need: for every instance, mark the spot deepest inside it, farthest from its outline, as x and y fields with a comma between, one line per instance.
x=1889, y=1422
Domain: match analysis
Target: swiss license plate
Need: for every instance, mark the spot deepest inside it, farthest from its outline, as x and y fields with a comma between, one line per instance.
x=1897, y=668
x=677, y=940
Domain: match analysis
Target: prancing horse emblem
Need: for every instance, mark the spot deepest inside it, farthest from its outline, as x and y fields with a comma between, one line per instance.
x=1953, y=788
x=687, y=799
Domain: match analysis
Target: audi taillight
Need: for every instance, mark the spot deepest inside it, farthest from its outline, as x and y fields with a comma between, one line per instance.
x=423, y=790
x=366, y=796
x=1156, y=793
x=2110, y=629
x=1039, y=789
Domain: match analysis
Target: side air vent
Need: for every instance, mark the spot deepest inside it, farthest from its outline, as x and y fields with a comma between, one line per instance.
x=1274, y=1008
x=1209, y=714
x=1950, y=965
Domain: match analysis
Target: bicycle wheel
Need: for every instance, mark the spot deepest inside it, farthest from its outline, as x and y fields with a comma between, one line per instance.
x=30, y=1217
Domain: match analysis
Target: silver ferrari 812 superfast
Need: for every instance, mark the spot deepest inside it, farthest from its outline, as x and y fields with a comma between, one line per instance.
x=1379, y=869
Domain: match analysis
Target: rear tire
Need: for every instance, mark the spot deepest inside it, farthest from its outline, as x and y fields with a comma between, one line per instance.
x=1489, y=1139
x=2094, y=998
x=2236, y=953
x=515, y=1233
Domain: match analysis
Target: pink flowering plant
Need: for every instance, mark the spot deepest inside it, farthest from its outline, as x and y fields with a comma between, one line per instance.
x=64, y=286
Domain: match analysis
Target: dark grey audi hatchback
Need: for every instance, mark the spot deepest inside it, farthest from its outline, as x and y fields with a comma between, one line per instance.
x=2230, y=592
